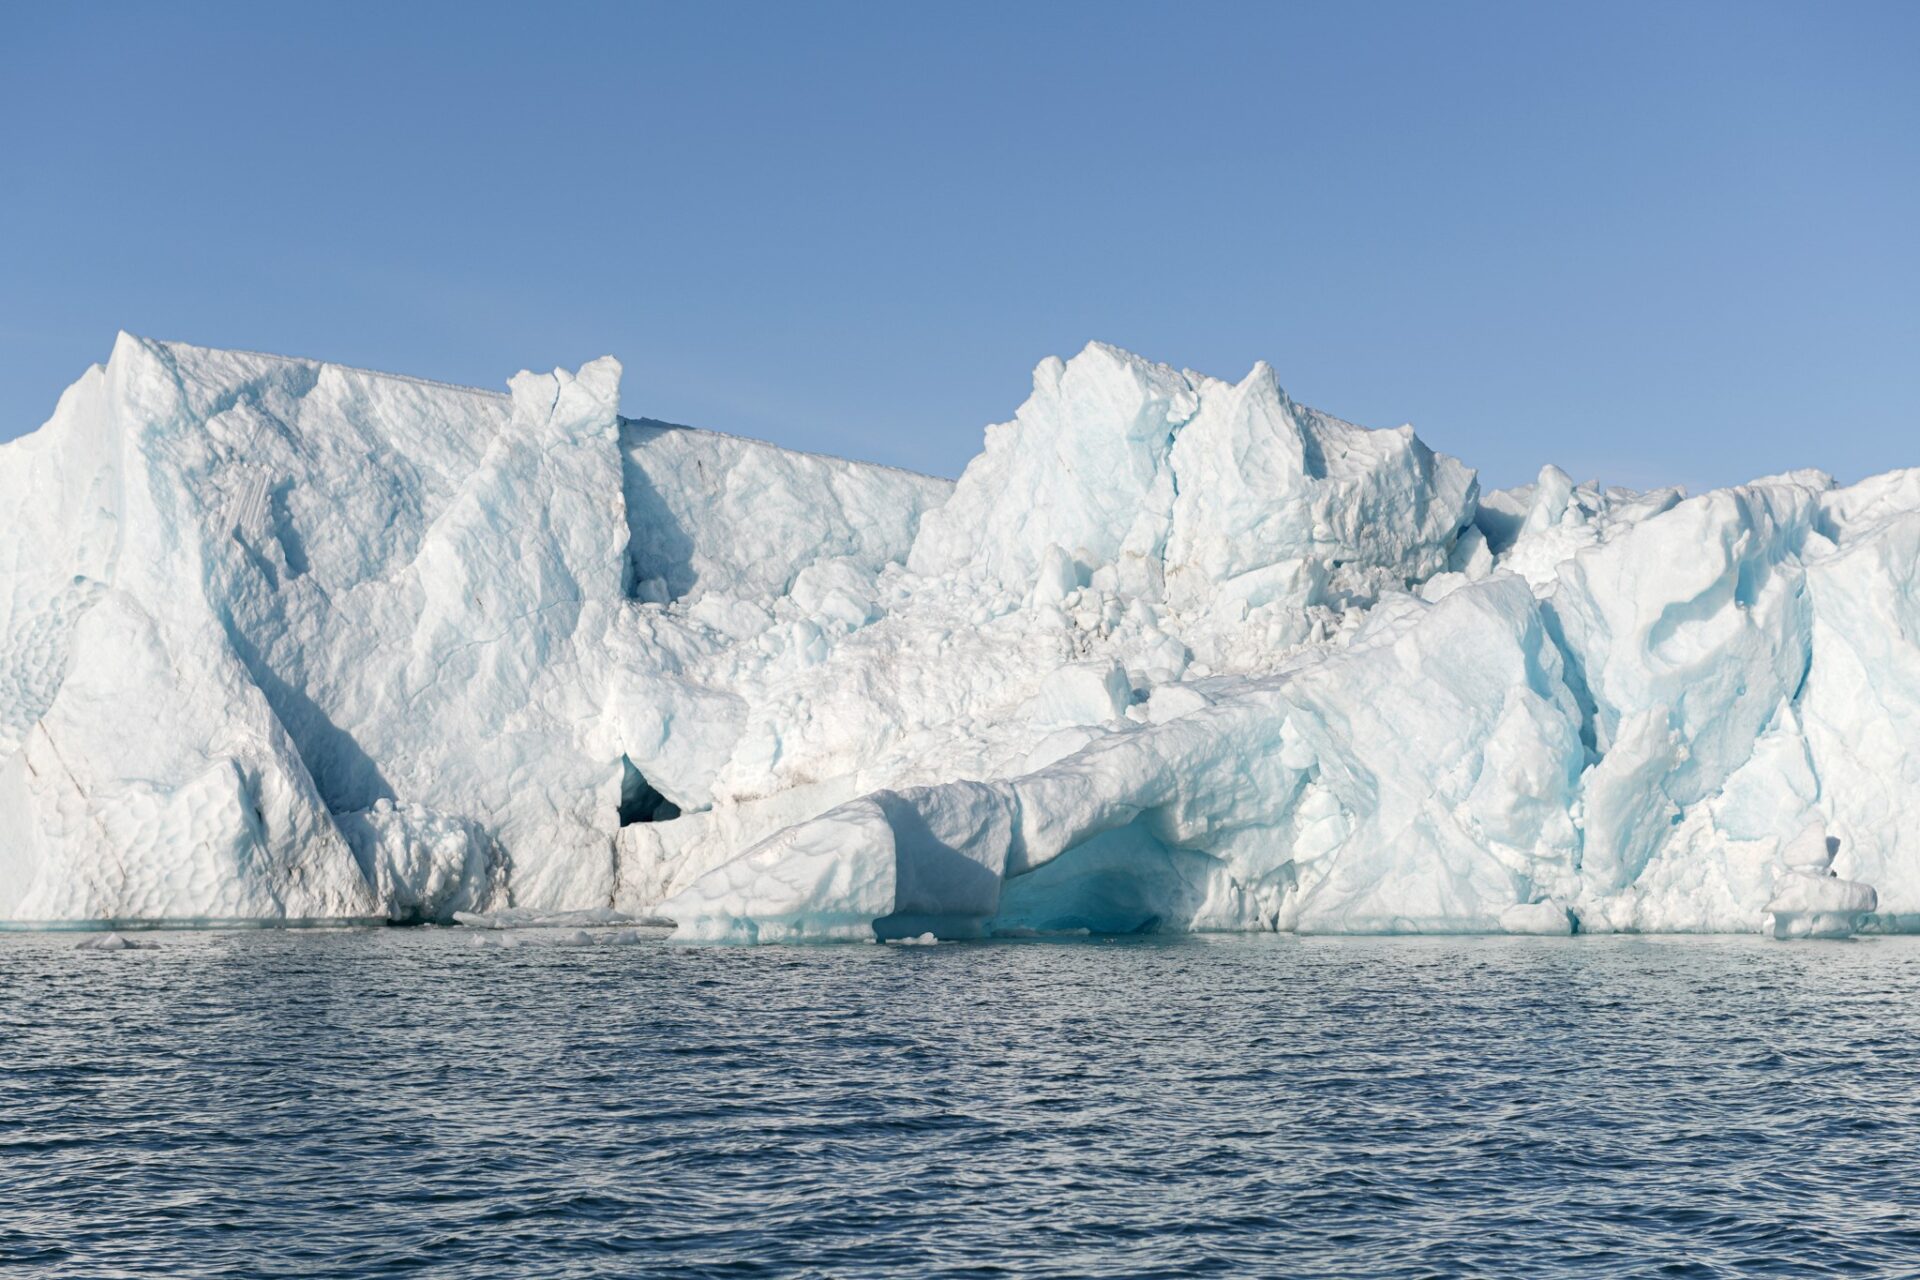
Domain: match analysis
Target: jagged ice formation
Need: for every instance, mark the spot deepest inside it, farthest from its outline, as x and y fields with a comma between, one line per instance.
x=286, y=641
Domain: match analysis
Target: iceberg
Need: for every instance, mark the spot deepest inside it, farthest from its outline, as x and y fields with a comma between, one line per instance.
x=283, y=641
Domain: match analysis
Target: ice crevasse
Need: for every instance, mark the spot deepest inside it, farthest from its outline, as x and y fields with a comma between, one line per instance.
x=286, y=641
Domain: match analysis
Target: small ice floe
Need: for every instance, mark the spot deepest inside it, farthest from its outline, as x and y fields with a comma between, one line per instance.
x=526, y=918
x=502, y=940
x=924, y=940
x=114, y=942
x=1805, y=905
x=625, y=938
x=1809, y=899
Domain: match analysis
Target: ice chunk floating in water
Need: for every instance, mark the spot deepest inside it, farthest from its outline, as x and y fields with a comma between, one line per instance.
x=286, y=641
x=113, y=942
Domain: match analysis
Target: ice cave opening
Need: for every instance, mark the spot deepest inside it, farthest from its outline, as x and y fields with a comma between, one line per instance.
x=639, y=801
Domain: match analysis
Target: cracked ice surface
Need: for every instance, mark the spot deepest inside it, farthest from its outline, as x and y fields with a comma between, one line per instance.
x=281, y=640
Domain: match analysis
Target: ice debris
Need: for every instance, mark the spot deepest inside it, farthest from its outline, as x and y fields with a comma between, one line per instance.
x=527, y=918
x=503, y=940
x=282, y=640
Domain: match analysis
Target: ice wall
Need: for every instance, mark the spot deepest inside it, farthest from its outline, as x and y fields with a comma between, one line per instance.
x=283, y=640
x=709, y=512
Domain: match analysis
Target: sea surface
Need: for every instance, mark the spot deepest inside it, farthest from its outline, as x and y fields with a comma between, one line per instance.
x=405, y=1102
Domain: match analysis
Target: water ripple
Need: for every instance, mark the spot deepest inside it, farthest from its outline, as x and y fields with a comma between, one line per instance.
x=389, y=1102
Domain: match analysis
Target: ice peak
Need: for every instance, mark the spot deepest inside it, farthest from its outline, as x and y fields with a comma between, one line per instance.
x=1165, y=475
x=1262, y=375
x=590, y=395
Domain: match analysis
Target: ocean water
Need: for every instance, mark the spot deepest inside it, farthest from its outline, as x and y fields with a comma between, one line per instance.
x=402, y=1102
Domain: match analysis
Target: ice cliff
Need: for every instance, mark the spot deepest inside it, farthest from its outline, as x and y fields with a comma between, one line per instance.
x=281, y=640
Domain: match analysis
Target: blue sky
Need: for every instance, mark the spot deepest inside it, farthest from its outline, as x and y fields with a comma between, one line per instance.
x=1672, y=242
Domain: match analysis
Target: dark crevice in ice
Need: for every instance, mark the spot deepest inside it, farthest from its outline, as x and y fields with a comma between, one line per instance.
x=639, y=802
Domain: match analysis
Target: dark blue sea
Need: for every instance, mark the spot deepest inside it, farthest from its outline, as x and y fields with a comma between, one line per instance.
x=401, y=1102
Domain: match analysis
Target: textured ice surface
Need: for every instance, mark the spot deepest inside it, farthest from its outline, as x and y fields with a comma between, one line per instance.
x=281, y=640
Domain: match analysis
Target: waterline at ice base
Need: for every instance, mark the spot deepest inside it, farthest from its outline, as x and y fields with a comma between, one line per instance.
x=287, y=642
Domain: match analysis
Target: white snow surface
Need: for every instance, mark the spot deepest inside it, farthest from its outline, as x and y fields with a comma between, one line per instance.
x=282, y=640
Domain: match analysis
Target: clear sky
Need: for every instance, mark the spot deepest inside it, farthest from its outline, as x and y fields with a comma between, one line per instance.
x=1666, y=242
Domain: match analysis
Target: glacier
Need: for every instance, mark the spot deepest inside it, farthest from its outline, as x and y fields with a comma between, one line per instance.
x=283, y=641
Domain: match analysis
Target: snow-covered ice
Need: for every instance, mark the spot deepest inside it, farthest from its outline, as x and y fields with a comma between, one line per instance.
x=282, y=640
